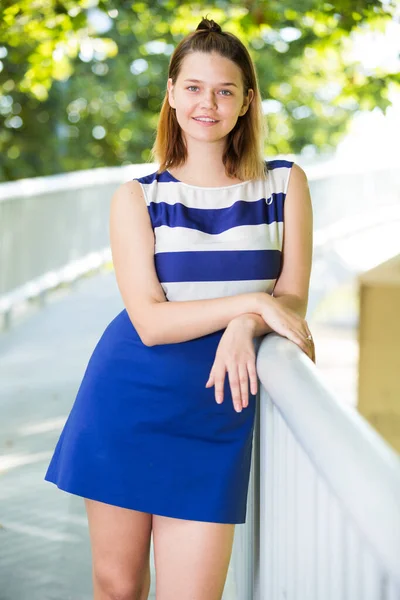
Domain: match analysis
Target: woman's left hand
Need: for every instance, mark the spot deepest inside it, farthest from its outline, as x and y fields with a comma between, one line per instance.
x=235, y=355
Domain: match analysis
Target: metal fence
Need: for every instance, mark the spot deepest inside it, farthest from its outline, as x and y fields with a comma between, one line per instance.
x=324, y=498
x=54, y=229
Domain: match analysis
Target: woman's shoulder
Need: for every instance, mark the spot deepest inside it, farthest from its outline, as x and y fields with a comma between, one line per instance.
x=284, y=166
x=278, y=174
x=274, y=164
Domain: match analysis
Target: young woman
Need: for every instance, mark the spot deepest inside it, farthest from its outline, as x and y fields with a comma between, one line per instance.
x=159, y=438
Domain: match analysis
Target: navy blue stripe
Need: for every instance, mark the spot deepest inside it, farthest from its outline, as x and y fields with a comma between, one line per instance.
x=278, y=163
x=161, y=177
x=219, y=265
x=217, y=220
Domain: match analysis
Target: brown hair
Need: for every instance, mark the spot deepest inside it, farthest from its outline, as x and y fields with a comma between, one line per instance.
x=244, y=153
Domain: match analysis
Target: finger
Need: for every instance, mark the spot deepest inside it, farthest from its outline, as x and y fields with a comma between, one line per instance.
x=235, y=388
x=210, y=381
x=219, y=386
x=311, y=346
x=309, y=350
x=298, y=339
x=308, y=340
x=244, y=384
x=251, y=368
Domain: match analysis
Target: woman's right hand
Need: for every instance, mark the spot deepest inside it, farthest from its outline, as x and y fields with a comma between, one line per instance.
x=287, y=323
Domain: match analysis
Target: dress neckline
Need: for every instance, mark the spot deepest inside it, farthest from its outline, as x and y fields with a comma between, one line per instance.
x=202, y=187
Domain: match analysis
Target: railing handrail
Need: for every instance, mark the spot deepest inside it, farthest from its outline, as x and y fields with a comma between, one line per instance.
x=362, y=463
x=357, y=223
x=34, y=186
x=39, y=271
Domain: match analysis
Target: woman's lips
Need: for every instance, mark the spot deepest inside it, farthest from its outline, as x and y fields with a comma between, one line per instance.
x=205, y=123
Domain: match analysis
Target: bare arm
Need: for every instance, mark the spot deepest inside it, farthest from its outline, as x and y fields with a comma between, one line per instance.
x=257, y=324
x=156, y=320
x=174, y=322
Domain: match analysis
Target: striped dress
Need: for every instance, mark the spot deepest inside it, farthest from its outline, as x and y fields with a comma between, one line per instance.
x=144, y=432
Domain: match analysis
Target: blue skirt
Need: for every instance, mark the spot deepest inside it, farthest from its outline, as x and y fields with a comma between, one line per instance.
x=145, y=433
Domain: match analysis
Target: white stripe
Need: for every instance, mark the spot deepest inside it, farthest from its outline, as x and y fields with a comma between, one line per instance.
x=244, y=237
x=279, y=179
x=172, y=192
x=204, y=290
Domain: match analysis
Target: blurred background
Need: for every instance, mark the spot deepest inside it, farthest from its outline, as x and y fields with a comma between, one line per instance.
x=81, y=83
x=81, y=86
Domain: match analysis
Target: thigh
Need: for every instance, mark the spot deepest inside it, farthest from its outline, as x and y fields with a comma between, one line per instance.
x=191, y=558
x=120, y=541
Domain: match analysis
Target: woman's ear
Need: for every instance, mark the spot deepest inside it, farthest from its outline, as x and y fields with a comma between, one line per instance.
x=246, y=104
x=170, y=89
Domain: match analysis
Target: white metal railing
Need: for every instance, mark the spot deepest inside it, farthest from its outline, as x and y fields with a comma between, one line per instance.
x=327, y=526
x=54, y=229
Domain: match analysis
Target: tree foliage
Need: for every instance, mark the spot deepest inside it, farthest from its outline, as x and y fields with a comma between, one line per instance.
x=82, y=81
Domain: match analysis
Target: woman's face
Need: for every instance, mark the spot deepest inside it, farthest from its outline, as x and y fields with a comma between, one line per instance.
x=209, y=96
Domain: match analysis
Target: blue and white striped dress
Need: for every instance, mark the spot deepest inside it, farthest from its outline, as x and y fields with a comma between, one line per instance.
x=144, y=433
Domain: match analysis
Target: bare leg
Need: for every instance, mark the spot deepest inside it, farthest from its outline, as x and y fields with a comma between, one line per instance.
x=191, y=558
x=120, y=542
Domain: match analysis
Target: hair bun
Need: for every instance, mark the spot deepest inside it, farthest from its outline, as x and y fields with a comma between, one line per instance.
x=209, y=25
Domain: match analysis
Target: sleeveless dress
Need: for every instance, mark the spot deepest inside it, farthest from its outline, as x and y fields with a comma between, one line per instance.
x=144, y=432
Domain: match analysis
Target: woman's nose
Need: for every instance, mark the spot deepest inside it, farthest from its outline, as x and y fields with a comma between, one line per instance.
x=208, y=99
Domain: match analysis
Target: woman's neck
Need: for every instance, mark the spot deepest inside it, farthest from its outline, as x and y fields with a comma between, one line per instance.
x=202, y=176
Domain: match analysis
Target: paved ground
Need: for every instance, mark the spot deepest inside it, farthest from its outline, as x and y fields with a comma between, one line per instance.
x=44, y=545
x=44, y=549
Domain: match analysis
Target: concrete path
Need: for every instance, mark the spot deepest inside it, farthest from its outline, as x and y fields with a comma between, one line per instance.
x=44, y=544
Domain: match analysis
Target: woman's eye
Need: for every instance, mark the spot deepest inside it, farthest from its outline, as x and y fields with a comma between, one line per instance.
x=195, y=86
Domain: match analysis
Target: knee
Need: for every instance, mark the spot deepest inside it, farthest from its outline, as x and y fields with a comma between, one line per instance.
x=115, y=586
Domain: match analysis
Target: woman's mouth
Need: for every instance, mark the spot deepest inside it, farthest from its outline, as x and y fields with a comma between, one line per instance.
x=205, y=122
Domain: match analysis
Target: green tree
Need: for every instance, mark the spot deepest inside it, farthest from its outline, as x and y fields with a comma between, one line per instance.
x=82, y=81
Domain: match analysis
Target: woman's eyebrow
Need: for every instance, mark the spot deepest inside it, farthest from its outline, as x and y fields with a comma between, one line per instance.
x=199, y=81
